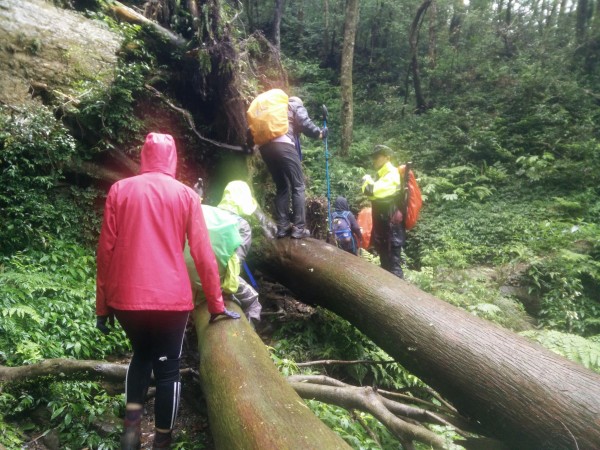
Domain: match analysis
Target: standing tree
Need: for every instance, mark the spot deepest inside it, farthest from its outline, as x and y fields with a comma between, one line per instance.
x=583, y=16
x=413, y=39
x=350, y=25
x=276, y=31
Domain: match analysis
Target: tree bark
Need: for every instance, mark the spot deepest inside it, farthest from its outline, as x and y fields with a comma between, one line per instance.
x=350, y=24
x=432, y=49
x=520, y=392
x=326, y=31
x=413, y=39
x=277, y=15
x=129, y=15
x=250, y=405
x=582, y=20
x=366, y=399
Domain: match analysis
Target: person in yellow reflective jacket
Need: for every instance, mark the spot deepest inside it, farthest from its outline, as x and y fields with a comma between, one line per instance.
x=388, y=234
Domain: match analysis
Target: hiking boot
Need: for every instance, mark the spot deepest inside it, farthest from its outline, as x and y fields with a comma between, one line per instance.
x=283, y=231
x=299, y=233
x=132, y=430
x=162, y=440
x=131, y=438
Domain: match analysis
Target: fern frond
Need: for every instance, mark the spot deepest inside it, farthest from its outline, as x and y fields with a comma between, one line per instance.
x=573, y=347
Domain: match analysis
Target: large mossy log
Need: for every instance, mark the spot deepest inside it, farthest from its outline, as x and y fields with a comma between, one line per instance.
x=250, y=405
x=520, y=392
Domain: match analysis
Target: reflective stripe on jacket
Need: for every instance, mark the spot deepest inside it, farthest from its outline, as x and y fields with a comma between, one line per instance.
x=140, y=253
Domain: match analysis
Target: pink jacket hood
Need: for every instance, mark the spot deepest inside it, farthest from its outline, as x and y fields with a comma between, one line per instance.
x=159, y=154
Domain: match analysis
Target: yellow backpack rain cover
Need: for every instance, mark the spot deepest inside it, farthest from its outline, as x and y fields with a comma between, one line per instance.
x=267, y=116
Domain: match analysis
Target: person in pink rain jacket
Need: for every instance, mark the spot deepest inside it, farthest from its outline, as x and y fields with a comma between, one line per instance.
x=142, y=279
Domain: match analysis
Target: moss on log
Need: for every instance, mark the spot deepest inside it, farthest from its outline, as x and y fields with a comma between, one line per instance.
x=520, y=392
x=251, y=406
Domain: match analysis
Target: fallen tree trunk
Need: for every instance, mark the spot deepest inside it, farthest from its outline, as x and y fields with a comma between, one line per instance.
x=250, y=405
x=520, y=392
x=62, y=367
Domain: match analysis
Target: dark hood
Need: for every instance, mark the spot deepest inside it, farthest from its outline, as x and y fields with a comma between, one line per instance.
x=341, y=204
x=159, y=154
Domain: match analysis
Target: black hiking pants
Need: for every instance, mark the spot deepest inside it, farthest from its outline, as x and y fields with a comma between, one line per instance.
x=388, y=238
x=284, y=165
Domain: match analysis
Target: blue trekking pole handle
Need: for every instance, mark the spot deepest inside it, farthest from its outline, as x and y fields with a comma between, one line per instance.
x=324, y=108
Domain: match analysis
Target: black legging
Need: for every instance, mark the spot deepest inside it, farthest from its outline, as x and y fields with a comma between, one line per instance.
x=157, y=339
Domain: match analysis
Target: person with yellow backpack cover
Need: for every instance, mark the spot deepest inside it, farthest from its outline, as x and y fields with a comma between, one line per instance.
x=231, y=237
x=275, y=123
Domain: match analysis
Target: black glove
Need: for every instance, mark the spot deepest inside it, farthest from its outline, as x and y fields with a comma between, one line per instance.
x=102, y=320
x=324, y=132
x=230, y=314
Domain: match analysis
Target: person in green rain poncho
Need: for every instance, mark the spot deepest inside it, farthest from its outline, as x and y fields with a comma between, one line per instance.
x=231, y=237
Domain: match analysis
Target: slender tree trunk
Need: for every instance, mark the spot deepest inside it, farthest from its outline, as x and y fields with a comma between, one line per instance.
x=277, y=15
x=432, y=35
x=413, y=39
x=508, y=13
x=563, y=12
x=520, y=392
x=300, y=18
x=456, y=22
x=582, y=20
x=350, y=24
x=325, y=46
x=250, y=405
x=595, y=30
x=551, y=19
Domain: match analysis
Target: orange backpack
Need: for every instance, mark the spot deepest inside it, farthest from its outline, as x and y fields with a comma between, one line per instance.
x=365, y=222
x=415, y=200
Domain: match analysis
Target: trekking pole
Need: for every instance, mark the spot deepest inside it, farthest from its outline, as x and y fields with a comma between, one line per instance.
x=249, y=274
x=405, y=192
x=406, y=198
x=327, y=174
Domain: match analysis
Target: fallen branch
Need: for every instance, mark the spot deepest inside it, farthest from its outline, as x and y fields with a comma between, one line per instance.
x=323, y=379
x=130, y=16
x=62, y=367
x=366, y=399
x=409, y=412
x=328, y=362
